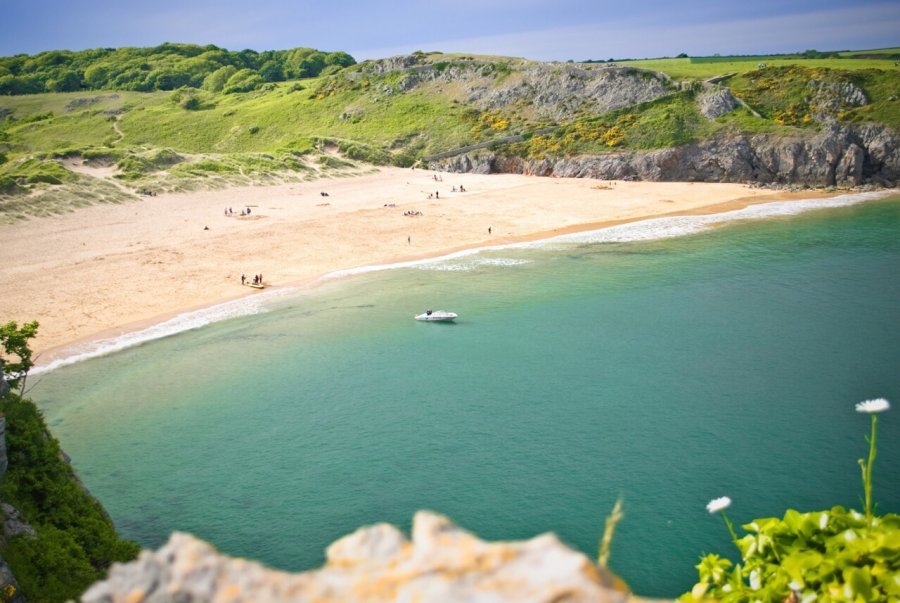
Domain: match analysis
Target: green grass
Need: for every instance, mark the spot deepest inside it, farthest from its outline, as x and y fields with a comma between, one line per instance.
x=887, y=52
x=782, y=94
x=691, y=69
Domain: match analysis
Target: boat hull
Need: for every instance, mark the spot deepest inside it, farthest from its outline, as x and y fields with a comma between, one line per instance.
x=438, y=316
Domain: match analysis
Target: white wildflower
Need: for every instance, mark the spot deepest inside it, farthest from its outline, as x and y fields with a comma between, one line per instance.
x=794, y=585
x=719, y=504
x=754, y=580
x=823, y=521
x=876, y=405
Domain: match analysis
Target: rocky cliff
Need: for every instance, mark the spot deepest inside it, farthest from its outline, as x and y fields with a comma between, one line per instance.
x=842, y=156
x=556, y=91
x=442, y=563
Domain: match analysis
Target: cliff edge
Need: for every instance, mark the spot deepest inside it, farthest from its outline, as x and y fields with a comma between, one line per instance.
x=441, y=563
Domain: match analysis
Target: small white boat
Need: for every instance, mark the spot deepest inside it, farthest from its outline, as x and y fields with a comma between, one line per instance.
x=437, y=316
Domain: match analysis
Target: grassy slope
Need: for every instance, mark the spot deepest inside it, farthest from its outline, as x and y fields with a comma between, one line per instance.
x=252, y=137
x=690, y=69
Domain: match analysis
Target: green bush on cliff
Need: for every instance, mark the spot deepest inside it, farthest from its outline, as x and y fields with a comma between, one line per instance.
x=75, y=541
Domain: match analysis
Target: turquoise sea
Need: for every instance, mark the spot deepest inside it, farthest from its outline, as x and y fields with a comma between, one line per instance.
x=664, y=362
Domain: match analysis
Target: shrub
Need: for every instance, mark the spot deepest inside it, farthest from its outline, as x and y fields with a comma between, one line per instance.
x=75, y=541
x=834, y=555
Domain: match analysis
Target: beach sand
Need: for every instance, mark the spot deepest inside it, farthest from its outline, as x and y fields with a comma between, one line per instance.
x=109, y=269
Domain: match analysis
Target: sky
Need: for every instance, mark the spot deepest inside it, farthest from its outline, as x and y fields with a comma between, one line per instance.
x=535, y=29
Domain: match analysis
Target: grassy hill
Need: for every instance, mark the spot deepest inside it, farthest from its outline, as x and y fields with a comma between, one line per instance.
x=399, y=110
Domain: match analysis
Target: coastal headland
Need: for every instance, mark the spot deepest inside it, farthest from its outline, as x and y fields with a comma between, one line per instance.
x=105, y=270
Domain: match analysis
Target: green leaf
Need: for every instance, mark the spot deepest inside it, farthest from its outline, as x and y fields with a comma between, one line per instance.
x=860, y=581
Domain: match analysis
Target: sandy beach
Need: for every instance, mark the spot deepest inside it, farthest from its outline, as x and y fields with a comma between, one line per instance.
x=106, y=270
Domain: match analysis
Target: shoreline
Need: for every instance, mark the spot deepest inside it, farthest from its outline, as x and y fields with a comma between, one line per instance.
x=362, y=229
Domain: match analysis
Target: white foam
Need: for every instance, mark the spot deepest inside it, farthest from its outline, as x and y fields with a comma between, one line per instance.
x=677, y=226
x=470, y=265
x=178, y=324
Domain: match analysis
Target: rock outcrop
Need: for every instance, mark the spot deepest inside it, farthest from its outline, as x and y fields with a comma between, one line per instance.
x=843, y=156
x=716, y=101
x=13, y=524
x=556, y=91
x=4, y=386
x=442, y=563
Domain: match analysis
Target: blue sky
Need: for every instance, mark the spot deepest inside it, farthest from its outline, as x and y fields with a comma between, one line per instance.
x=534, y=29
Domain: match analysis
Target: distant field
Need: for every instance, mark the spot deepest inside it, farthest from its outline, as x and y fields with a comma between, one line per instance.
x=698, y=69
x=876, y=51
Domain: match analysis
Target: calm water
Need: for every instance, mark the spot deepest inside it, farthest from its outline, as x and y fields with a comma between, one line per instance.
x=668, y=372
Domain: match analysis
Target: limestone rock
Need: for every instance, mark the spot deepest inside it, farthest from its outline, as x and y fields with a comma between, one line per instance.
x=4, y=459
x=13, y=524
x=558, y=91
x=442, y=563
x=829, y=98
x=838, y=155
x=4, y=386
x=717, y=102
x=9, y=587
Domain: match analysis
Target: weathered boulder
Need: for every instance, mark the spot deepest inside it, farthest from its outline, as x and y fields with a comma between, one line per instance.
x=442, y=563
x=716, y=102
x=830, y=98
x=13, y=525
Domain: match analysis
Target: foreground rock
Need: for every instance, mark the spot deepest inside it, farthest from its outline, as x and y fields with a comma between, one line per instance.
x=442, y=563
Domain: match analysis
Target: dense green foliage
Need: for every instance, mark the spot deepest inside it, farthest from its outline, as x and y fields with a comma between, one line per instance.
x=786, y=95
x=15, y=353
x=830, y=556
x=164, y=67
x=836, y=555
x=76, y=541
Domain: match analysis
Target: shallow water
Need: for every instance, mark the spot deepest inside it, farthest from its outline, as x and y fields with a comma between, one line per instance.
x=667, y=371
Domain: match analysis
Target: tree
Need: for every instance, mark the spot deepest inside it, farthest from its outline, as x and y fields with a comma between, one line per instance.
x=68, y=81
x=216, y=80
x=16, y=354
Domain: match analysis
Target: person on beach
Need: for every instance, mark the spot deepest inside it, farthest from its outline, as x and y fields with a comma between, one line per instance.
x=489, y=230
x=243, y=279
x=409, y=240
x=437, y=194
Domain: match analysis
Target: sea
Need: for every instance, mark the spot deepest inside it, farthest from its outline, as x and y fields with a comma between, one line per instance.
x=665, y=363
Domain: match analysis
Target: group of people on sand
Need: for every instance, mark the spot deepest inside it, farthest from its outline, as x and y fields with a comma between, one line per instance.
x=230, y=212
x=462, y=189
x=256, y=280
x=412, y=213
